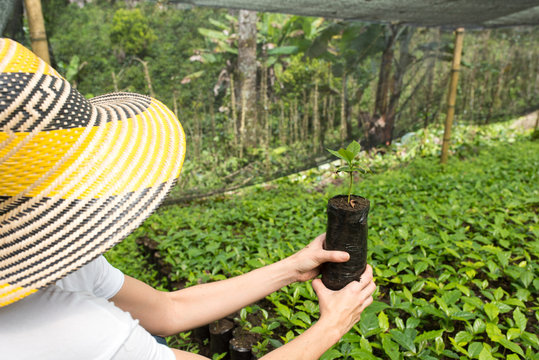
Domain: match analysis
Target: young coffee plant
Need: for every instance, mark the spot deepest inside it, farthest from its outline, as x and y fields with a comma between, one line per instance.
x=351, y=156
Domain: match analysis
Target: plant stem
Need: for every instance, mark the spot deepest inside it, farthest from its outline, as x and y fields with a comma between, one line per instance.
x=350, y=186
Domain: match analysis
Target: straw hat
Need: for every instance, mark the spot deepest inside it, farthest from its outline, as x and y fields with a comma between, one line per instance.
x=76, y=176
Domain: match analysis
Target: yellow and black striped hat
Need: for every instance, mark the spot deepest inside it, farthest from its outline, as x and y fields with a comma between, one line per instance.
x=76, y=176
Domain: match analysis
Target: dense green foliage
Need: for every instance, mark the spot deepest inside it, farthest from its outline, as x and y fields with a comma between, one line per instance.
x=454, y=249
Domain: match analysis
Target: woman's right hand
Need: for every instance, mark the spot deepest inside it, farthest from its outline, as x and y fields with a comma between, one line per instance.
x=342, y=309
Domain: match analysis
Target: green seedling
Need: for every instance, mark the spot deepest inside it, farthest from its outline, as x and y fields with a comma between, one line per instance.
x=351, y=156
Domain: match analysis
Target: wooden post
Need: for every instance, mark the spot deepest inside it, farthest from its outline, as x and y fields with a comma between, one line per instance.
x=38, y=36
x=452, y=95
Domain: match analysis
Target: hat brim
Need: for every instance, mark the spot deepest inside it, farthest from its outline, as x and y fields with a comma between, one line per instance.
x=72, y=188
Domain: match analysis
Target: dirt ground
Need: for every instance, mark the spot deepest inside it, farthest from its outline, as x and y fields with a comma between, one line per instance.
x=526, y=121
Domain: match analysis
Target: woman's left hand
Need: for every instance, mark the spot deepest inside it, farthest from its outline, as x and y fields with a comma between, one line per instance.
x=307, y=261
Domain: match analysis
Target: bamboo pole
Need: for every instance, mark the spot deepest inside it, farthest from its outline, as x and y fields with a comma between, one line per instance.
x=36, y=24
x=452, y=95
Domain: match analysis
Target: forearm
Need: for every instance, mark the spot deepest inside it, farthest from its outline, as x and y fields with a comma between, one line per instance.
x=310, y=345
x=201, y=304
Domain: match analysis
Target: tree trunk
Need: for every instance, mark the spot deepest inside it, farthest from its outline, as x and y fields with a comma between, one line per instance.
x=380, y=124
x=265, y=105
x=427, y=116
x=305, y=120
x=296, y=120
x=38, y=35
x=378, y=121
x=384, y=76
x=452, y=95
x=247, y=72
x=405, y=60
x=235, y=132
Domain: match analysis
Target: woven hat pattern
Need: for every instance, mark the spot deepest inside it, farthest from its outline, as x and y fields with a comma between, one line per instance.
x=76, y=175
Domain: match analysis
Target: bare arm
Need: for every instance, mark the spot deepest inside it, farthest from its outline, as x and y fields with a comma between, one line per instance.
x=339, y=311
x=169, y=313
x=166, y=313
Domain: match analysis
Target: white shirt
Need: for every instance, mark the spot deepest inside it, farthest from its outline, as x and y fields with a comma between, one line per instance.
x=73, y=320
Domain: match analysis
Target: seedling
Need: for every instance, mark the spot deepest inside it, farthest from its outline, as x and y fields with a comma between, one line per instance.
x=351, y=156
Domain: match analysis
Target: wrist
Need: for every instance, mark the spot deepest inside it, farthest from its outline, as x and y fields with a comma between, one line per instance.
x=290, y=268
x=332, y=329
x=297, y=268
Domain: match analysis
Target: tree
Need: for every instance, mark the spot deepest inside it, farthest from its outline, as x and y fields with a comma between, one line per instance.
x=130, y=34
x=247, y=70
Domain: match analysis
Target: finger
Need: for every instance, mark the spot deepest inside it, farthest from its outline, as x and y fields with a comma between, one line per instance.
x=368, y=301
x=335, y=256
x=320, y=238
x=366, y=277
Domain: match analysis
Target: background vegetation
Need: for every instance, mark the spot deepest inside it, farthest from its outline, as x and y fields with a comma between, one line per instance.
x=305, y=85
x=454, y=249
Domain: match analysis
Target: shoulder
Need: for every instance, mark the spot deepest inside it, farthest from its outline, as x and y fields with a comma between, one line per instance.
x=97, y=277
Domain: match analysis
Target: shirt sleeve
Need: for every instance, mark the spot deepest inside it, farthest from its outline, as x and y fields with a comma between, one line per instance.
x=97, y=277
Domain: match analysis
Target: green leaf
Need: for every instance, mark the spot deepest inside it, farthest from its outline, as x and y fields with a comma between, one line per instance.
x=498, y=293
x=337, y=154
x=474, y=349
x=511, y=346
x=429, y=335
x=303, y=317
x=491, y=310
x=383, y=321
x=478, y=326
x=331, y=354
x=463, y=337
x=368, y=323
x=407, y=294
x=420, y=266
x=451, y=297
x=354, y=148
x=403, y=232
x=347, y=155
x=520, y=320
x=466, y=291
x=399, y=323
x=493, y=332
x=344, y=169
x=362, y=354
x=513, y=333
x=530, y=338
x=405, y=339
x=485, y=353
x=526, y=277
x=390, y=348
x=503, y=257
x=522, y=294
x=284, y=311
x=412, y=322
